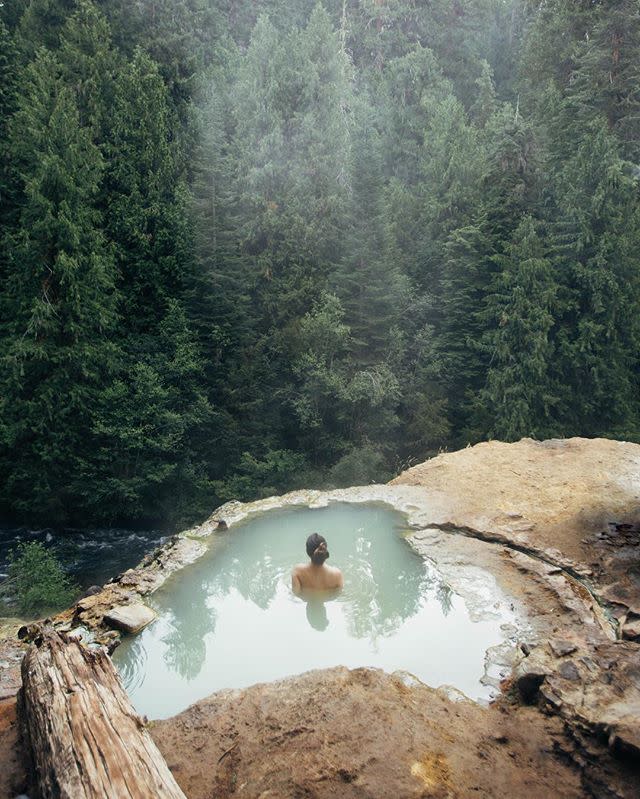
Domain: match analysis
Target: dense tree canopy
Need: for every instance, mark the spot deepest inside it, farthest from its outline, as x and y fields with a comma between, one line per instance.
x=249, y=246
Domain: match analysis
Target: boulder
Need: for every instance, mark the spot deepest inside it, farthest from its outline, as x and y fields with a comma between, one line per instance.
x=130, y=618
x=560, y=648
x=530, y=673
x=631, y=628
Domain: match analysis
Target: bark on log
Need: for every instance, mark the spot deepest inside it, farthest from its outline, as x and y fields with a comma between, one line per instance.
x=87, y=741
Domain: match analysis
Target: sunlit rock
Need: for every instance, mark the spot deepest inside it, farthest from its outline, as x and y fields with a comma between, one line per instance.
x=130, y=618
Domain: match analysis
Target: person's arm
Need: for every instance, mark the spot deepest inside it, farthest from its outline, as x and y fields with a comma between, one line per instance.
x=295, y=582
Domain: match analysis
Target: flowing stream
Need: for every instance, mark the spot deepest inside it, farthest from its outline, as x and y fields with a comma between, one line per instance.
x=90, y=557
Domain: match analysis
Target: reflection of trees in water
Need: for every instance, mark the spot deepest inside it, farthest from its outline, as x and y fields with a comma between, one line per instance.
x=256, y=579
x=383, y=588
x=444, y=595
x=378, y=597
x=191, y=620
x=133, y=665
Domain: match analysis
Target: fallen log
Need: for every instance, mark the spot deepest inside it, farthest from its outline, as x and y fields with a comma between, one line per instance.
x=86, y=739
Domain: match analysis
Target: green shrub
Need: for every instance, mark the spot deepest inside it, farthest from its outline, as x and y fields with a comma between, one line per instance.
x=38, y=579
x=279, y=471
x=361, y=466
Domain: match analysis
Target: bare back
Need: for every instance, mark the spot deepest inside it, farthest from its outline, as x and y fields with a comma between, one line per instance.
x=308, y=576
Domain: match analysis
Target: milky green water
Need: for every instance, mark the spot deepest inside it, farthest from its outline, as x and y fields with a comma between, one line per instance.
x=231, y=619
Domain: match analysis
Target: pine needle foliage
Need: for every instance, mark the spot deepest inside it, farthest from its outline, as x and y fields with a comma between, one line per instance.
x=38, y=580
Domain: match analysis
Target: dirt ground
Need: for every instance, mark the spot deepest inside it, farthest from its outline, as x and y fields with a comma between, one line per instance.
x=363, y=733
x=13, y=777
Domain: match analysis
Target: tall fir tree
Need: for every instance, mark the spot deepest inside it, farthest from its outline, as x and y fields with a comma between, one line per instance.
x=596, y=238
x=89, y=64
x=60, y=298
x=145, y=195
x=9, y=178
x=519, y=397
x=454, y=250
x=606, y=74
x=153, y=425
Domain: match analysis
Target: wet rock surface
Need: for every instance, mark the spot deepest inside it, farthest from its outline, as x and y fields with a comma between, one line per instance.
x=546, y=530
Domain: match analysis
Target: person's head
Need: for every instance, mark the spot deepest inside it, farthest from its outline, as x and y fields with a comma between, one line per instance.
x=317, y=549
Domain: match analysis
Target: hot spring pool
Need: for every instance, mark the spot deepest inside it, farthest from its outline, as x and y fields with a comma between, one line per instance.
x=231, y=620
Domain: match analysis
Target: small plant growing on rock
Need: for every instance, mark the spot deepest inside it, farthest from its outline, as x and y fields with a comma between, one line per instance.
x=38, y=579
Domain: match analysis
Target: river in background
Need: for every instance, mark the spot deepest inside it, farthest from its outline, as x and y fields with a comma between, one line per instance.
x=89, y=556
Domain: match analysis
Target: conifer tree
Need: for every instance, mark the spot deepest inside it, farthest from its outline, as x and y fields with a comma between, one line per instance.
x=89, y=63
x=153, y=414
x=557, y=31
x=485, y=104
x=321, y=367
x=454, y=249
x=153, y=425
x=510, y=183
x=607, y=72
x=413, y=88
x=145, y=195
x=61, y=298
x=586, y=61
x=371, y=289
x=11, y=13
x=40, y=24
x=219, y=294
x=292, y=142
x=596, y=238
x=9, y=179
x=519, y=397
x=323, y=134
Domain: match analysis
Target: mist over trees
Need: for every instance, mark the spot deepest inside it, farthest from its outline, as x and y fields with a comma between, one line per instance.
x=249, y=246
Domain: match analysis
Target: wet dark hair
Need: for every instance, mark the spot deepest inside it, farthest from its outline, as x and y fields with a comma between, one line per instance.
x=313, y=542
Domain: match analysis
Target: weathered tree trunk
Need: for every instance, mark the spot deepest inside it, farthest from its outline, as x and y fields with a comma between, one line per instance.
x=86, y=738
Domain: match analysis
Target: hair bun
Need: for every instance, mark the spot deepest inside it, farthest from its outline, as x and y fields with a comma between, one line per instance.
x=321, y=553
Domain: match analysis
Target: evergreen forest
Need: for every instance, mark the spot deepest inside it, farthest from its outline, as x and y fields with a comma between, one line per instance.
x=254, y=245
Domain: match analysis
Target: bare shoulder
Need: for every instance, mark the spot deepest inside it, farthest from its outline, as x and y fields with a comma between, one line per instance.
x=296, y=573
x=336, y=574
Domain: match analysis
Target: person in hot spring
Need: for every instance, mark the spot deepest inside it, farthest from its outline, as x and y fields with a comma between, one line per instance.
x=316, y=576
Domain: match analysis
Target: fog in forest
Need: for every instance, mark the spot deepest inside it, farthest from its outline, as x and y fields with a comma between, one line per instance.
x=254, y=246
